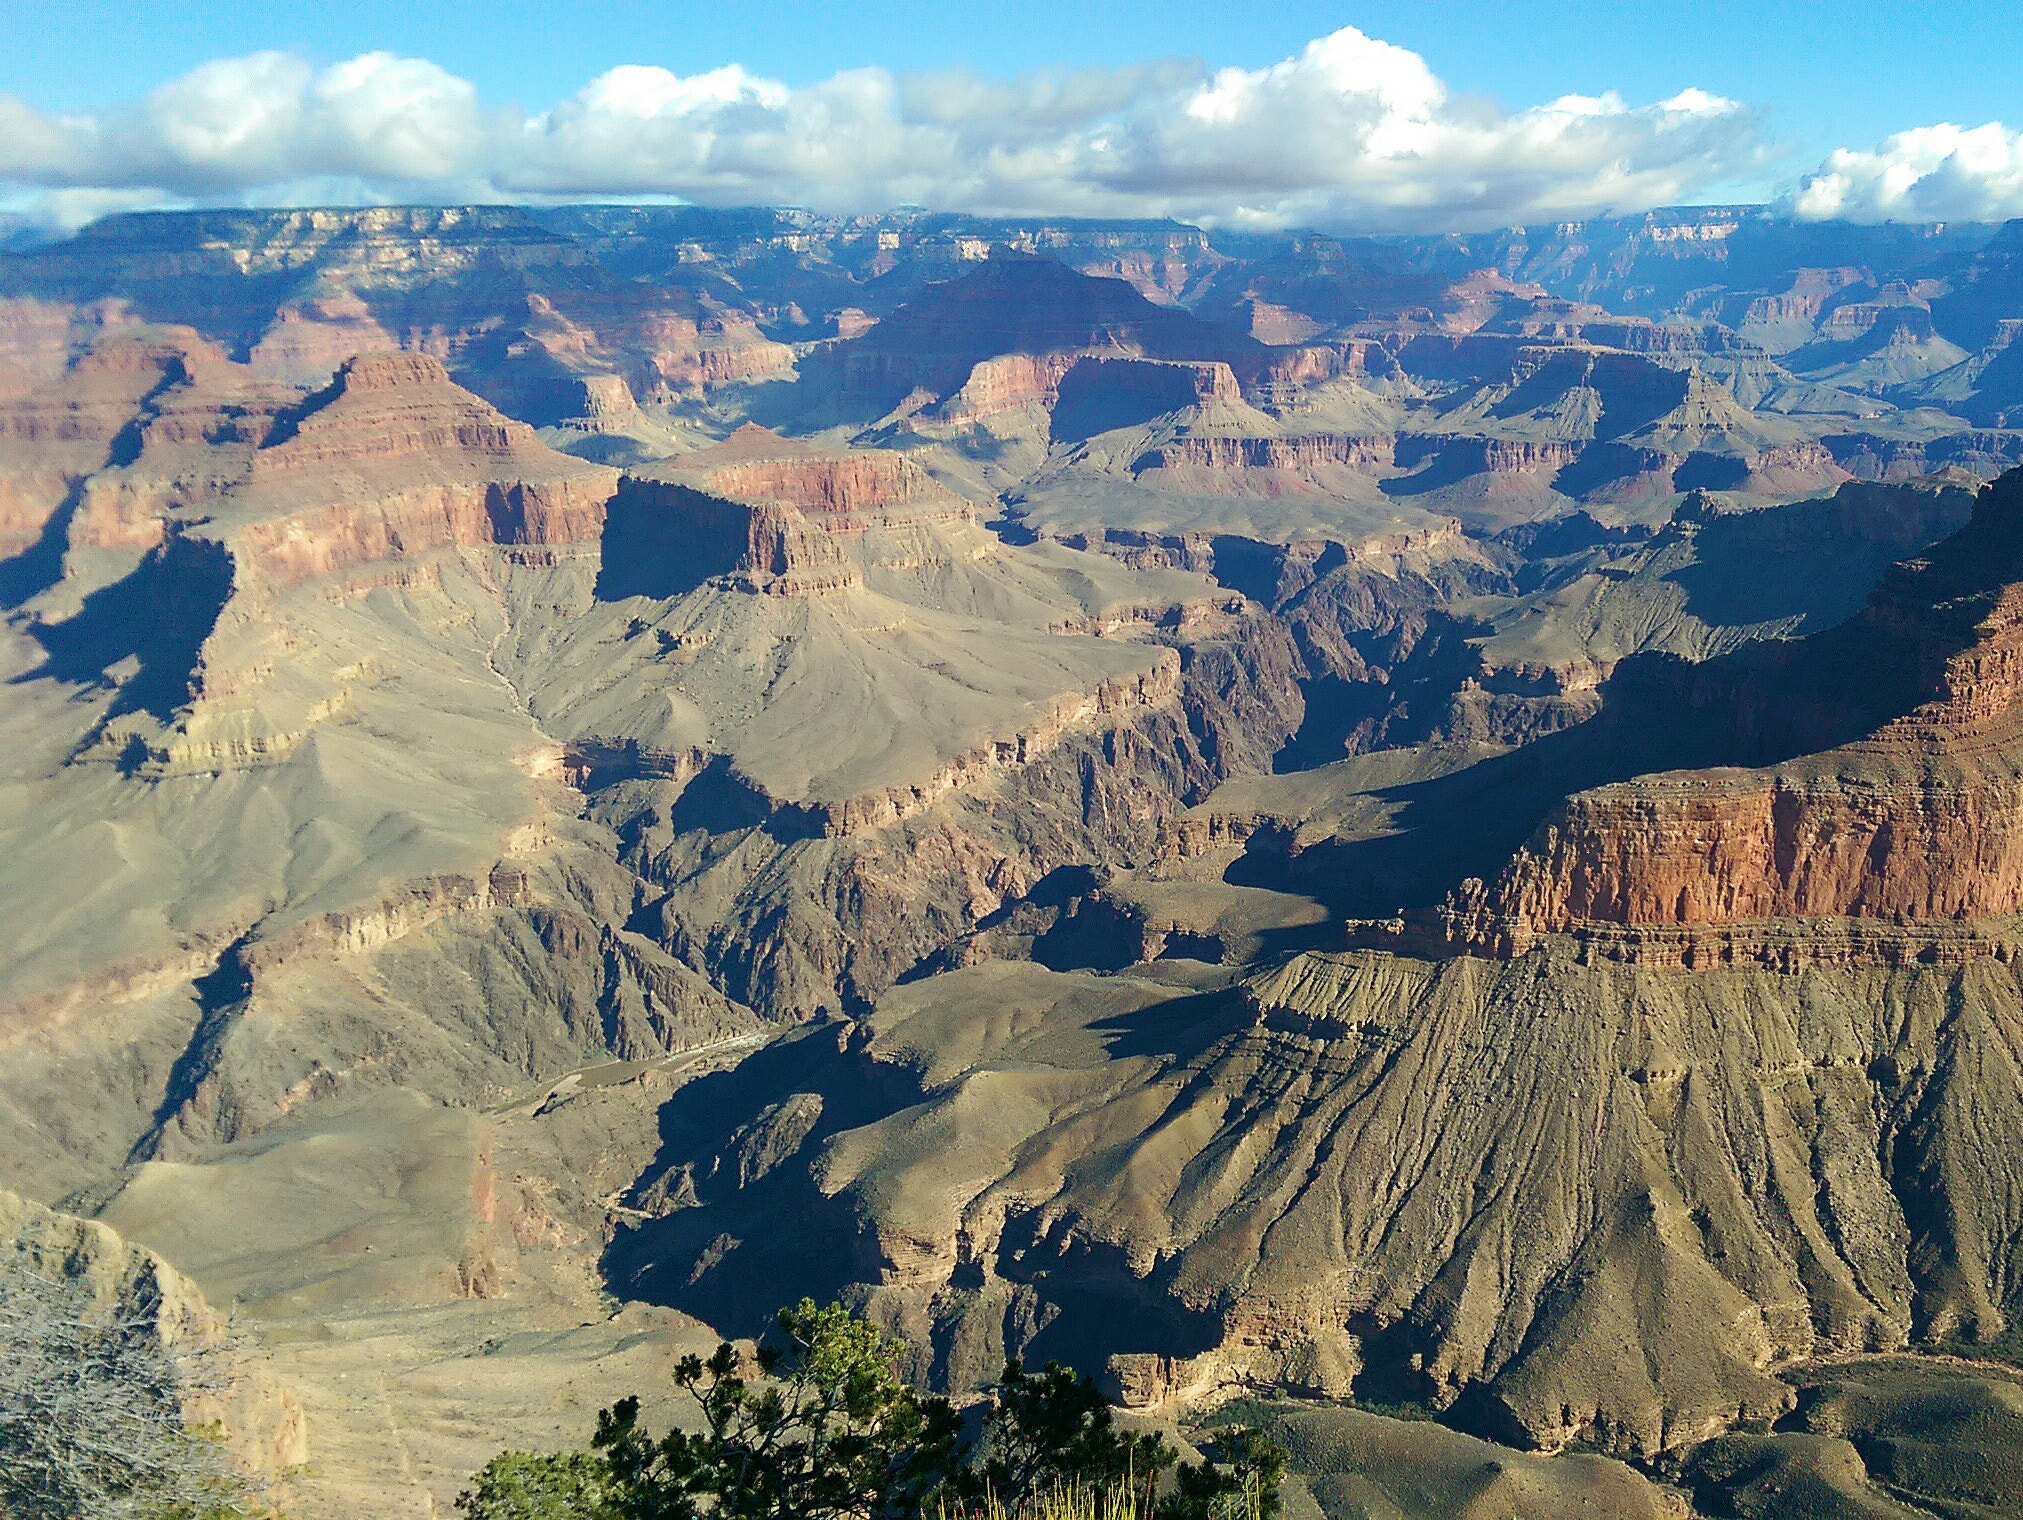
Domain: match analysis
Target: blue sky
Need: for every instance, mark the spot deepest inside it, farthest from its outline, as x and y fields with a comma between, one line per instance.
x=1811, y=78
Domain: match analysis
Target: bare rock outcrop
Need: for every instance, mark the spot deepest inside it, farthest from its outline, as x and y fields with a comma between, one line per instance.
x=798, y=906
x=243, y=499
x=445, y=468
x=1014, y=304
x=58, y=432
x=1916, y=820
x=1598, y=1203
x=771, y=515
x=1297, y=456
x=1007, y=383
x=365, y=755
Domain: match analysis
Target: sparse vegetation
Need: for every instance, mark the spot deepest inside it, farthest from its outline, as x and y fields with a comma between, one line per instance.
x=92, y=1410
x=1051, y=1433
x=826, y=1429
x=1118, y=1501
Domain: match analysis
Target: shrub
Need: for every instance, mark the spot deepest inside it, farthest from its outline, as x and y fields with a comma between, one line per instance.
x=522, y=1485
x=1051, y=1432
x=92, y=1408
x=828, y=1430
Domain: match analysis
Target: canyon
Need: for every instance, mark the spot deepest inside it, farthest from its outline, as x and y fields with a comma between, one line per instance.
x=1418, y=841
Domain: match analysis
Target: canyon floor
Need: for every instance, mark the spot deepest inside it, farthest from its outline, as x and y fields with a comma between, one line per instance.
x=1418, y=842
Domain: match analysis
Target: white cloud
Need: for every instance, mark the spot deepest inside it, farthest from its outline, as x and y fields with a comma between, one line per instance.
x=1941, y=173
x=51, y=212
x=1352, y=132
x=247, y=124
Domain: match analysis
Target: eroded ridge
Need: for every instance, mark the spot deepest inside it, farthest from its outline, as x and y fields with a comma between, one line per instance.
x=1914, y=820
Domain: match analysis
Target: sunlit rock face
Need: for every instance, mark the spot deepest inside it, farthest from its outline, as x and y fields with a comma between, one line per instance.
x=1432, y=823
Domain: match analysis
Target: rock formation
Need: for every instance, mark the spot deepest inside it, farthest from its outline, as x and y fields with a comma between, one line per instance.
x=713, y=755
x=1013, y=304
x=1371, y=1175
x=1910, y=822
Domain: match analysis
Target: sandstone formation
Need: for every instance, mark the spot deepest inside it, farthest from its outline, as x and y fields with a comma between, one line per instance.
x=1908, y=824
x=600, y=768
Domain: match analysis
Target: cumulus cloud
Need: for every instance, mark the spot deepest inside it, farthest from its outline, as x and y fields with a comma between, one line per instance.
x=1941, y=173
x=61, y=212
x=1352, y=132
x=244, y=124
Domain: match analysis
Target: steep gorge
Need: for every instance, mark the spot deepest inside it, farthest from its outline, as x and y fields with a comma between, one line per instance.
x=703, y=757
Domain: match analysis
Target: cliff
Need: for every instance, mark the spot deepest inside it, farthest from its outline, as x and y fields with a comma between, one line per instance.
x=771, y=515
x=1608, y=1204
x=1014, y=304
x=1914, y=818
x=57, y=433
x=396, y=812
x=186, y=542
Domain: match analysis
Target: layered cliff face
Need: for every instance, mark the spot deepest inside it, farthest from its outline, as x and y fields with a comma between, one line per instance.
x=518, y=310
x=389, y=579
x=1474, y=1181
x=1009, y=385
x=1014, y=304
x=394, y=458
x=963, y=333
x=1019, y=709
x=289, y=608
x=462, y=807
x=61, y=425
x=161, y=429
x=1297, y=460
x=238, y=498
x=1911, y=823
x=841, y=491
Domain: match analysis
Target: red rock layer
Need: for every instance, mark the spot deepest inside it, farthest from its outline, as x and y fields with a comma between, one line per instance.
x=395, y=460
x=1007, y=383
x=1921, y=820
x=166, y=437
x=190, y=444
x=326, y=538
x=1494, y=456
x=58, y=432
x=386, y=405
x=1267, y=466
x=838, y=490
x=770, y=515
x=861, y=485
